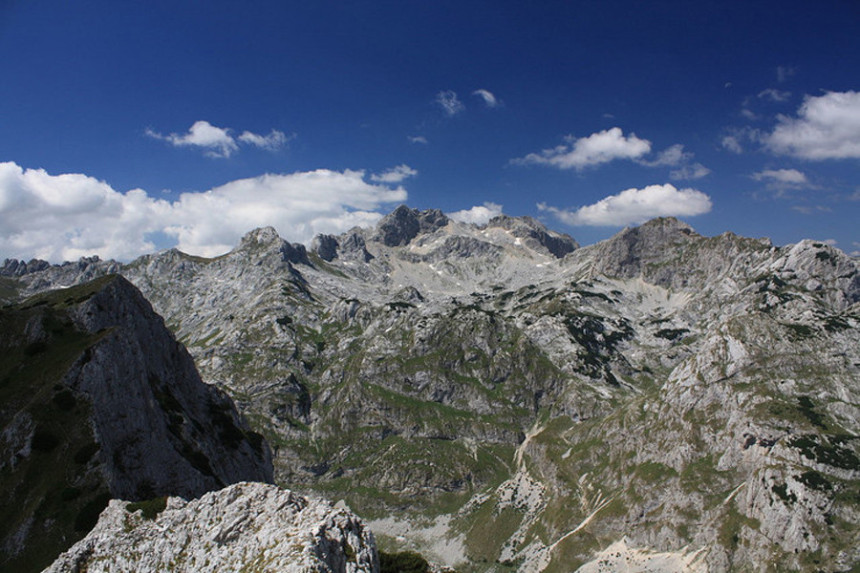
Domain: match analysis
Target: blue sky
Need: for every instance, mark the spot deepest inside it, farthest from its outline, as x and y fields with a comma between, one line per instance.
x=127, y=127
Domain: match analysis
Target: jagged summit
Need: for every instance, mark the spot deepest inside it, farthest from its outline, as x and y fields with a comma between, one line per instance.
x=536, y=234
x=403, y=224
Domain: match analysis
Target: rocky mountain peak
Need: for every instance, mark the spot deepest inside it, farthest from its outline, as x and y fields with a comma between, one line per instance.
x=536, y=235
x=265, y=242
x=403, y=224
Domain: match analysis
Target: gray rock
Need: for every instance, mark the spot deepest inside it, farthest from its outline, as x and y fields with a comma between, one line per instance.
x=247, y=526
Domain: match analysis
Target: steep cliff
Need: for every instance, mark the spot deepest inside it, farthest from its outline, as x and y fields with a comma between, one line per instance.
x=98, y=401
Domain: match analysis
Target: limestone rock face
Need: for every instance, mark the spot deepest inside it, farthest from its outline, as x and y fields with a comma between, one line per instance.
x=536, y=234
x=244, y=527
x=404, y=224
x=161, y=429
x=100, y=401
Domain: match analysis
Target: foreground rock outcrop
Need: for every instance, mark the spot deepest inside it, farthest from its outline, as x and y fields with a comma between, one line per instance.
x=244, y=527
x=100, y=401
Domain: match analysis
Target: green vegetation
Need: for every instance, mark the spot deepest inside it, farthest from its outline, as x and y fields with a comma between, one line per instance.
x=58, y=484
x=402, y=562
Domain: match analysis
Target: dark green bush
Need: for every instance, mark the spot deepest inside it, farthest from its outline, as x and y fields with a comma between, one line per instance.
x=403, y=562
x=150, y=508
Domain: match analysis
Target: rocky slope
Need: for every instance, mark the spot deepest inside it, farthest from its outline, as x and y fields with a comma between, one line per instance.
x=243, y=527
x=694, y=397
x=98, y=400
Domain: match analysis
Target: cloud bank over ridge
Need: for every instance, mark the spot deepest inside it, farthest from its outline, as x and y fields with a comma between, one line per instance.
x=65, y=217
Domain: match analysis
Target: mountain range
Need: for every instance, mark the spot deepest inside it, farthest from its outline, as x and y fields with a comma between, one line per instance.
x=502, y=399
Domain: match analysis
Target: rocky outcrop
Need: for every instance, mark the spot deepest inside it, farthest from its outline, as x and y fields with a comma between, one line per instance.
x=536, y=234
x=101, y=401
x=244, y=527
x=404, y=224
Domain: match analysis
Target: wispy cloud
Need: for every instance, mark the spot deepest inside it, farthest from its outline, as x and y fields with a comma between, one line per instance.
x=64, y=217
x=732, y=143
x=689, y=172
x=635, y=206
x=826, y=127
x=783, y=73
x=675, y=156
x=218, y=141
x=449, y=103
x=395, y=174
x=274, y=140
x=417, y=139
x=479, y=214
x=597, y=148
x=488, y=97
x=774, y=95
x=790, y=177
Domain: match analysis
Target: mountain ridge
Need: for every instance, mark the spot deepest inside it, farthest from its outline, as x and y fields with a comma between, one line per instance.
x=662, y=387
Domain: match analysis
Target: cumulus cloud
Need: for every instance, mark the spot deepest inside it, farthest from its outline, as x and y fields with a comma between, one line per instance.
x=395, y=174
x=488, y=97
x=479, y=214
x=64, y=217
x=217, y=141
x=634, y=206
x=826, y=127
x=597, y=148
x=449, y=103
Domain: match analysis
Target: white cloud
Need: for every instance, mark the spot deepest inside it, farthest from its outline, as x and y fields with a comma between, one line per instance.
x=691, y=171
x=395, y=174
x=597, y=148
x=479, y=214
x=217, y=141
x=64, y=217
x=450, y=104
x=733, y=144
x=273, y=141
x=488, y=97
x=418, y=139
x=826, y=127
x=674, y=155
x=774, y=95
x=784, y=177
x=635, y=206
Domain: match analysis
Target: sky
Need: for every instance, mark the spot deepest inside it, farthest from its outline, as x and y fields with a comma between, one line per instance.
x=130, y=127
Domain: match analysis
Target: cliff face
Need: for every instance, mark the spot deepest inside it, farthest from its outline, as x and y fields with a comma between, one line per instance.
x=99, y=401
x=244, y=527
x=692, y=399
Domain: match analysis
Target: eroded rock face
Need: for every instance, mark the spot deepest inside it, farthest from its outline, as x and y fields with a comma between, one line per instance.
x=244, y=527
x=101, y=401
